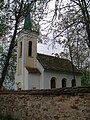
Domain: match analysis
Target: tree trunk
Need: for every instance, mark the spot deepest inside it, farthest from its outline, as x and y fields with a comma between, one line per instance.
x=73, y=71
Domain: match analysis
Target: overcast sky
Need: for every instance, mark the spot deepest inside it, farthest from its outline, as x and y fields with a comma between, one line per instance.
x=45, y=49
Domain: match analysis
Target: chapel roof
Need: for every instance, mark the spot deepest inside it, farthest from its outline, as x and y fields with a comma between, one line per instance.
x=56, y=64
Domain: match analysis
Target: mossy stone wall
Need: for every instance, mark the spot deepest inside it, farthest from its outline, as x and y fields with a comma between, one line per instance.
x=57, y=104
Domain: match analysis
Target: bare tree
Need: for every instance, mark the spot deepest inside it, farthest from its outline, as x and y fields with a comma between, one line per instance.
x=84, y=5
x=18, y=9
x=6, y=64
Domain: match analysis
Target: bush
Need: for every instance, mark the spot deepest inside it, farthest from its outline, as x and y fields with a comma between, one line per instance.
x=5, y=117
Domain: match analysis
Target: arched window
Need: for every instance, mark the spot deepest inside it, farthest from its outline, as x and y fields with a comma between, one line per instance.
x=73, y=83
x=30, y=49
x=53, y=82
x=63, y=82
x=20, y=55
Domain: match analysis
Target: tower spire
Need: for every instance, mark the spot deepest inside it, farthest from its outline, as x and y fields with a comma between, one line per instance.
x=28, y=21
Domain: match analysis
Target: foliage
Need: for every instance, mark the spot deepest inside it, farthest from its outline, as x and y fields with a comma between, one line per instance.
x=9, y=79
x=10, y=76
x=85, y=80
x=5, y=117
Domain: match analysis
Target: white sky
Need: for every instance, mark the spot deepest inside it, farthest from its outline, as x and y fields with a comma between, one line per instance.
x=45, y=49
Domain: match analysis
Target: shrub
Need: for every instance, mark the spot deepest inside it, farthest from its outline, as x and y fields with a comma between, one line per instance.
x=5, y=117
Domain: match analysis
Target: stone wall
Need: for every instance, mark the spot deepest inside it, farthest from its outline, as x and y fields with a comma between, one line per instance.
x=56, y=104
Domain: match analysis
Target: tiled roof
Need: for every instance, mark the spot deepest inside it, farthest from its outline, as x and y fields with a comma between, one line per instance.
x=56, y=64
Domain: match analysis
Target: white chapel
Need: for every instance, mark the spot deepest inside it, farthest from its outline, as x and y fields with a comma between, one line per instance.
x=39, y=71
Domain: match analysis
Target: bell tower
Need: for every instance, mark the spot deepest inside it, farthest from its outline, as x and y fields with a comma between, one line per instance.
x=27, y=51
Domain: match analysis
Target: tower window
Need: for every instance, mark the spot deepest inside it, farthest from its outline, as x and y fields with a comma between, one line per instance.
x=30, y=49
x=20, y=49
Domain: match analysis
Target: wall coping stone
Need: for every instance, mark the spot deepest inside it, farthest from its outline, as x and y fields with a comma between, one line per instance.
x=72, y=91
